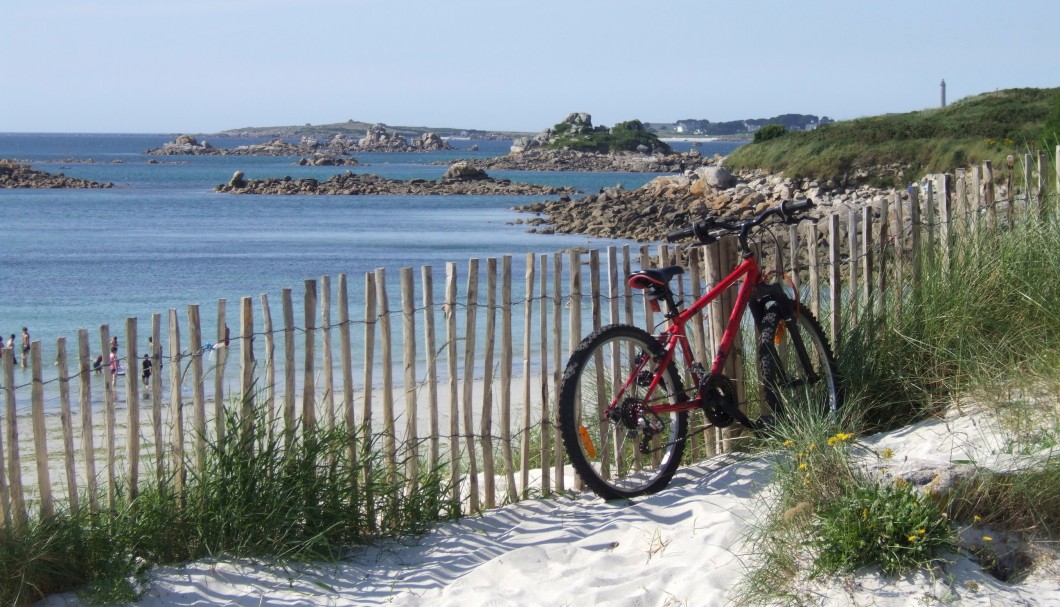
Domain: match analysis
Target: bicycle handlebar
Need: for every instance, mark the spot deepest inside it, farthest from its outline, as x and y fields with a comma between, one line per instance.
x=708, y=230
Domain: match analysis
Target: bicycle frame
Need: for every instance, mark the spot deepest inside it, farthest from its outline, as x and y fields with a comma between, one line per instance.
x=675, y=337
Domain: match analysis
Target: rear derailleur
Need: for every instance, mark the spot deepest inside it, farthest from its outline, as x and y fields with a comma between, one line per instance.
x=638, y=422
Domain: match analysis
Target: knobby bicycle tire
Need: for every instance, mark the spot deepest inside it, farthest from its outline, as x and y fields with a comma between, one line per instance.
x=788, y=379
x=606, y=458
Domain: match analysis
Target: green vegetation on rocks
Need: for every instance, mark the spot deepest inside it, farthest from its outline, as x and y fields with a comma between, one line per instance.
x=629, y=136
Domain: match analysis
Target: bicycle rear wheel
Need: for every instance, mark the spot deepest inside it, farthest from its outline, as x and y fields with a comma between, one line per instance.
x=615, y=364
x=795, y=364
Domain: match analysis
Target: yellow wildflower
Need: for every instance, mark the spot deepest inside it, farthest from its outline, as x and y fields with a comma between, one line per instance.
x=976, y=518
x=887, y=453
x=811, y=447
x=864, y=513
x=921, y=531
x=911, y=538
x=789, y=443
x=802, y=466
x=987, y=538
x=901, y=482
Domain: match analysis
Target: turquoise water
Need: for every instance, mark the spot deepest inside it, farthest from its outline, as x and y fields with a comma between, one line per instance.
x=162, y=238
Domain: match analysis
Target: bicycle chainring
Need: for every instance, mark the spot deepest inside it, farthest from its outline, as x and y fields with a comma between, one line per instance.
x=718, y=397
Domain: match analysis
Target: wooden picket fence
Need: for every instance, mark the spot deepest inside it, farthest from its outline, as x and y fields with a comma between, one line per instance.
x=469, y=407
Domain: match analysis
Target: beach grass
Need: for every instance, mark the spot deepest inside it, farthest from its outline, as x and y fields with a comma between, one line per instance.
x=980, y=328
x=253, y=498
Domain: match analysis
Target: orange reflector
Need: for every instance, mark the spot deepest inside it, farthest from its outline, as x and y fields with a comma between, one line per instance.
x=779, y=335
x=587, y=442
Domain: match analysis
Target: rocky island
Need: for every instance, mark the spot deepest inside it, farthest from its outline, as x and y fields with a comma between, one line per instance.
x=14, y=175
x=461, y=178
x=333, y=151
x=576, y=145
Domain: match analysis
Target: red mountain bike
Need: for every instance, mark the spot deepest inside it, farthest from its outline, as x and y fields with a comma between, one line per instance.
x=623, y=409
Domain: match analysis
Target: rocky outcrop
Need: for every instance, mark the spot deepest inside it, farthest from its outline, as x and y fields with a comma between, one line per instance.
x=464, y=171
x=14, y=175
x=671, y=202
x=186, y=145
x=620, y=162
x=461, y=180
x=379, y=139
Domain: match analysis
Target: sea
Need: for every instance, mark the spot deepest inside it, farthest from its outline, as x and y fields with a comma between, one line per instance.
x=162, y=238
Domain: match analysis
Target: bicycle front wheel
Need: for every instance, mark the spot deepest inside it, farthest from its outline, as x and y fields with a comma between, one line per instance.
x=618, y=447
x=795, y=363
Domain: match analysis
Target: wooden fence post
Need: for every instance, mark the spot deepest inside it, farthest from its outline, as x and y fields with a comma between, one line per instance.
x=469, y=383
x=270, y=360
x=109, y=380
x=813, y=268
x=367, y=441
x=557, y=362
x=198, y=396
x=309, y=416
x=834, y=283
x=220, y=363
x=430, y=345
x=247, y=366
x=507, y=355
x=852, y=264
x=408, y=326
x=40, y=433
x=8, y=388
x=346, y=356
x=132, y=401
x=546, y=419
x=328, y=368
x=289, y=415
x=575, y=320
x=866, y=259
x=67, y=423
x=88, y=446
x=881, y=276
x=528, y=318
x=14, y=461
x=155, y=353
x=945, y=219
x=489, y=487
x=449, y=307
x=180, y=470
x=386, y=343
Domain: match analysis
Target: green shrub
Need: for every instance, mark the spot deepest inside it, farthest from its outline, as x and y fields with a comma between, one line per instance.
x=769, y=131
x=891, y=526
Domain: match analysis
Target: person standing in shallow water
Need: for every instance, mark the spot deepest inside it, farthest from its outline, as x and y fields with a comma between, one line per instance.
x=145, y=373
x=25, y=346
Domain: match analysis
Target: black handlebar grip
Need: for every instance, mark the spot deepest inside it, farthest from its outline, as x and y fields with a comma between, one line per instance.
x=680, y=234
x=796, y=206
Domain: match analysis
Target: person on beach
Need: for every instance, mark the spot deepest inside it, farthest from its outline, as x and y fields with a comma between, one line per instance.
x=113, y=363
x=145, y=373
x=25, y=346
x=97, y=365
x=114, y=342
x=11, y=344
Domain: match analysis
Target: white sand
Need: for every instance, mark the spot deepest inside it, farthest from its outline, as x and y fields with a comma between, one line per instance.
x=683, y=546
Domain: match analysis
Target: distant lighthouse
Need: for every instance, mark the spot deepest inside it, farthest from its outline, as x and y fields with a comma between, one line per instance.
x=942, y=86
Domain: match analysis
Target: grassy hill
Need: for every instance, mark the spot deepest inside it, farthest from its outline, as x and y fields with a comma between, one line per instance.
x=900, y=147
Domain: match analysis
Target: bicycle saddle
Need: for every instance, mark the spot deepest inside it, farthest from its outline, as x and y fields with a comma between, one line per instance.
x=656, y=277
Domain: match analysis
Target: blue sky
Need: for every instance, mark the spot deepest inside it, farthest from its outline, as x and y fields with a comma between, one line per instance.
x=207, y=65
